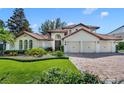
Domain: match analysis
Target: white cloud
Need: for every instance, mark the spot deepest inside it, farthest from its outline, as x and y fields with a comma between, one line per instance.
x=104, y=14
x=89, y=11
x=34, y=26
x=70, y=23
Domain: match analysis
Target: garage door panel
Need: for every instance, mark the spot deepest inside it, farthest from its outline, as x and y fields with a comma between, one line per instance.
x=73, y=46
x=105, y=47
x=89, y=47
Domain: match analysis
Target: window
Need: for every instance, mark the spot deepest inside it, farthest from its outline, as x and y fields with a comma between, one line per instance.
x=25, y=45
x=20, y=44
x=30, y=44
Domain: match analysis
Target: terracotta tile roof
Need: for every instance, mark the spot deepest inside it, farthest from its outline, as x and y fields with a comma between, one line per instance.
x=74, y=25
x=100, y=36
x=93, y=27
x=108, y=37
x=58, y=30
x=36, y=35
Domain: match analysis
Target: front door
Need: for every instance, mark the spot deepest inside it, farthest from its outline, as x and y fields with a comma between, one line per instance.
x=57, y=44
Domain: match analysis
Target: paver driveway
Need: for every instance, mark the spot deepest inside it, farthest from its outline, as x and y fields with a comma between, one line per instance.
x=109, y=66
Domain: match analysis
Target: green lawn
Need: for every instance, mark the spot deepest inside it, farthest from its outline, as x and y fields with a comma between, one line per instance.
x=23, y=72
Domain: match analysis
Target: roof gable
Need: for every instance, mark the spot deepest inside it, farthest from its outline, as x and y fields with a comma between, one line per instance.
x=100, y=36
x=35, y=35
x=81, y=24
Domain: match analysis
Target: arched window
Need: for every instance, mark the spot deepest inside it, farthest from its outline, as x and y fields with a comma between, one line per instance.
x=20, y=45
x=25, y=44
x=57, y=37
x=30, y=44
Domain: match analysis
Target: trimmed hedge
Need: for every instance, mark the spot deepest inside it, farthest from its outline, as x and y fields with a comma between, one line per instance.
x=33, y=60
x=9, y=52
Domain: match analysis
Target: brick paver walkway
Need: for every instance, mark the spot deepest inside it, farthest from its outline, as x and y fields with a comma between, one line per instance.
x=106, y=66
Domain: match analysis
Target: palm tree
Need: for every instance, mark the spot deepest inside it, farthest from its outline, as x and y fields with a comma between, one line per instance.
x=6, y=37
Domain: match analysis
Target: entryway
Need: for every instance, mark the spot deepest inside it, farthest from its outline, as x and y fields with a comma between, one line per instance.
x=57, y=42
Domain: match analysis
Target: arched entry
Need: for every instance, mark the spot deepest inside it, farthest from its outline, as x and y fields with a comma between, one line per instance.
x=57, y=42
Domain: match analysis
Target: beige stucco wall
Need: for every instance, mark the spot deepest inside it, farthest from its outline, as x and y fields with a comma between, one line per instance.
x=36, y=43
x=46, y=44
x=81, y=36
x=88, y=43
x=77, y=28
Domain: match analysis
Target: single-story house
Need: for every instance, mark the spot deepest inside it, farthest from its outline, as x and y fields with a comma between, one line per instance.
x=77, y=38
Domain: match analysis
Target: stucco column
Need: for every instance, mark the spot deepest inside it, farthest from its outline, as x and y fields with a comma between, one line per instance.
x=81, y=48
x=65, y=46
x=97, y=46
x=113, y=46
x=53, y=45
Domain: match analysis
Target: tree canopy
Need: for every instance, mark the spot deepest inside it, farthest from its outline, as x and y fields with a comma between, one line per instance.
x=18, y=22
x=6, y=36
x=51, y=24
x=2, y=25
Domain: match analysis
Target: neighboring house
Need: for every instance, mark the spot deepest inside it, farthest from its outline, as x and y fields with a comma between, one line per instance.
x=119, y=32
x=78, y=38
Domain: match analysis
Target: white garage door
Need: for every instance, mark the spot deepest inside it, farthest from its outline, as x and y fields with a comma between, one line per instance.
x=105, y=47
x=89, y=47
x=73, y=46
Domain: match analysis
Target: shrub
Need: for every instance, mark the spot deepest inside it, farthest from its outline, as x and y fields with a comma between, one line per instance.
x=62, y=48
x=11, y=52
x=58, y=53
x=37, y=52
x=14, y=52
x=56, y=76
x=21, y=51
x=120, y=46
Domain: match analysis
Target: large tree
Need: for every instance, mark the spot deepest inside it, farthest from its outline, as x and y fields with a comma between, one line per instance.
x=18, y=22
x=51, y=24
x=2, y=25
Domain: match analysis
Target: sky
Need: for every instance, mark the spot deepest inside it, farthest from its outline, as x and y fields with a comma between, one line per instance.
x=107, y=19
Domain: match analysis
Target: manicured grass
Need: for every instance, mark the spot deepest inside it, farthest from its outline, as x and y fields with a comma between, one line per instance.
x=23, y=72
